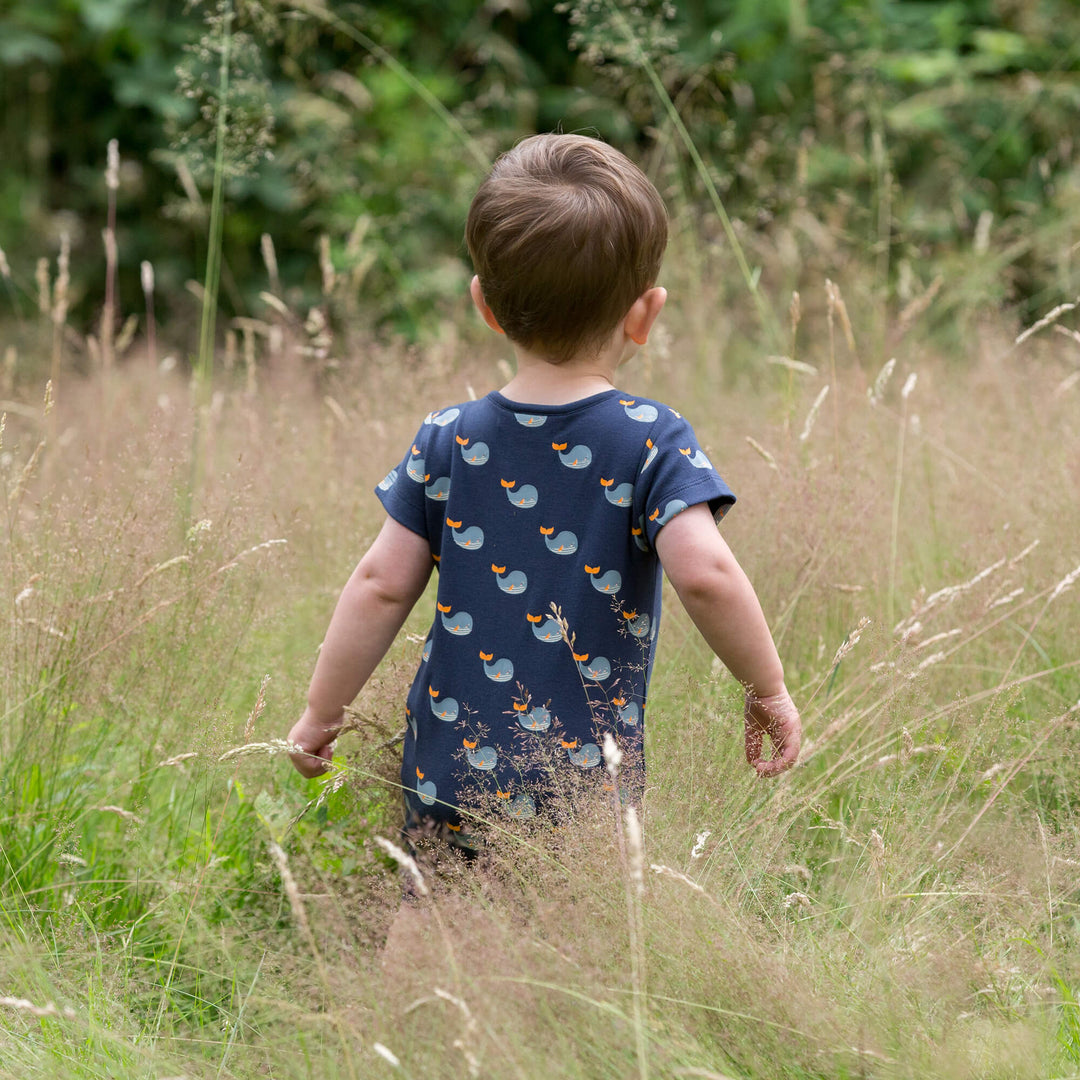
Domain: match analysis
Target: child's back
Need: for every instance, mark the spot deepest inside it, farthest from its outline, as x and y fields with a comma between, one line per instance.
x=541, y=519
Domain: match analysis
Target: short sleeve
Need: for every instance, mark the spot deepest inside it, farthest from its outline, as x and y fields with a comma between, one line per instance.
x=676, y=473
x=401, y=491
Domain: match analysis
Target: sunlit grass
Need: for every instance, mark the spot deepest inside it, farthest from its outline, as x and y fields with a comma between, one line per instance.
x=902, y=904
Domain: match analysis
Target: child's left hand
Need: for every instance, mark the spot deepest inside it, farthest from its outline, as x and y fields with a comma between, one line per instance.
x=776, y=716
x=316, y=738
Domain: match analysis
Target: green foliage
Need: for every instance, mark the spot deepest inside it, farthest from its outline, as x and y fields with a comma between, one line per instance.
x=913, y=131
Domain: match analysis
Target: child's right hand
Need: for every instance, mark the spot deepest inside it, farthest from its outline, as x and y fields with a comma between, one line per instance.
x=316, y=738
x=777, y=717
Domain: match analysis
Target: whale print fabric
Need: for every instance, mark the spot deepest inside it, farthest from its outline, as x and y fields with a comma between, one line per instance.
x=542, y=522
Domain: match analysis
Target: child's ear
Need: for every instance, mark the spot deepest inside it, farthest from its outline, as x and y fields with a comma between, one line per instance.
x=481, y=305
x=641, y=316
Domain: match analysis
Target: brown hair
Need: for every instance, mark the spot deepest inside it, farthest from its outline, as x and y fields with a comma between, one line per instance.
x=565, y=234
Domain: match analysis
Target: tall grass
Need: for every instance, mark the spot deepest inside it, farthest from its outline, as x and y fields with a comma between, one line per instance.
x=174, y=900
x=902, y=904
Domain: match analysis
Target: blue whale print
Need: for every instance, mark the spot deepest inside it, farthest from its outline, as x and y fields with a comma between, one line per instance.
x=675, y=506
x=536, y=719
x=609, y=583
x=484, y=758
x=515, y=582
x=522, y=806
x=471, y=538
x=425, y=789
x=477, y=454
x=623, y=495
x=565, y=543
x=646, y=414
x=447, y=709
x=639, y=533
x=440, y=490
x=597, y=669
x=650, y=457
x=525, y=497
x=548, y=630
x=530, y=419
x=639, y=626
x=442, y=418
x=696, y=458
x=426, y=654
x=498, y=670
x=389, y=480
x=459, y=624
x=415, y=469
x=587, y=757
x=630, y=714
x=577, y=457
x=411, y=721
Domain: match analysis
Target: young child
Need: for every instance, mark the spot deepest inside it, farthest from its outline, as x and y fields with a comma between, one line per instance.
x=548, y=509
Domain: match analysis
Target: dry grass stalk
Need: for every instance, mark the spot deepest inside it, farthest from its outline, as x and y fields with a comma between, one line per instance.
x=256, y=709
x=109, y=312
x=120, y=812
x=876, y=392
x=326, y=266
x=387, y=1055
x=910, y=624
x=836, y=302
x=44, y=287
x=1072, y=335
x=675, y=875
x=1065, y=583
x=1050, y=317
x=635, y=890
x=49, y=1009
x=177, y=759
x=406, y=862
x=278, y=305
x=292, y=892
x=811, y=416
x=792, y=365
x=851, y=640
x=1008, y=598
x=763, y=453
x=146, y=279
x=266, y=246
x=30, y=467
x=271, y=746
x=60, y=303
x=914, y=308
x=472, y=1030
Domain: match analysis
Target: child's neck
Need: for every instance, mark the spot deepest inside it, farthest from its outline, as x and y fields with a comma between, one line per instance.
x=541, y=383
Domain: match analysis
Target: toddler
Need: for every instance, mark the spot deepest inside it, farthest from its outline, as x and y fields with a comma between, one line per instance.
x=548, y=509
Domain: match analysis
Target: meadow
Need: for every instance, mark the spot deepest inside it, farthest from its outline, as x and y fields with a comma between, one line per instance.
x=176, y=901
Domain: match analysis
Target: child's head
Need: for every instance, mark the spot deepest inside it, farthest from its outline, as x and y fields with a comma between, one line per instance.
x=565, y=234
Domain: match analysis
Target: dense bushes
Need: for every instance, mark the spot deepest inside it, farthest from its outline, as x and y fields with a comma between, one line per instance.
x=924, y=136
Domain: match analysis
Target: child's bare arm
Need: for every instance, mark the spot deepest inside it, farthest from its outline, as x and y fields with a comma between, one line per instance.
x=374, y=604
x=719, y=598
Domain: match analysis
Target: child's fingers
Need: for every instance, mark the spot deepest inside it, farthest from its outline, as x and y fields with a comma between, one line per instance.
x=315, y=762
x=316, y=741
x=777, y=717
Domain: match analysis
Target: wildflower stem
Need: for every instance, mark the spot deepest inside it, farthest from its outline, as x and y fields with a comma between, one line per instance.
x=212, y=279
